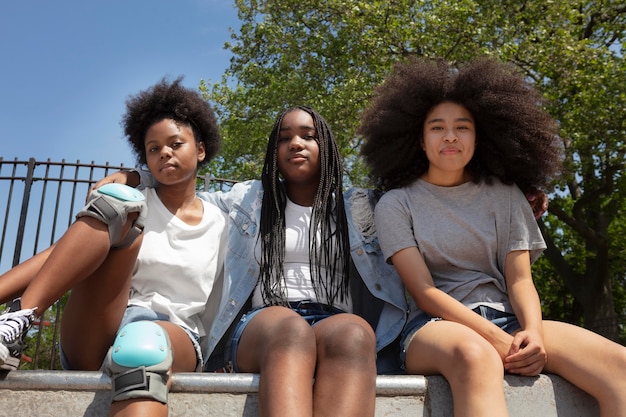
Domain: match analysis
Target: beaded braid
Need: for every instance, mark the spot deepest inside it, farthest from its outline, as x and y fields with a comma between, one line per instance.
x=328, y=217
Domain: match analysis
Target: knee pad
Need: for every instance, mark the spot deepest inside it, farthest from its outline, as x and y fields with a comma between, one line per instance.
x=111, y=204
x=139, y=362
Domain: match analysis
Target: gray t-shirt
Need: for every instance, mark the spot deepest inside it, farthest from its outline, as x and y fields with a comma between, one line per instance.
x=464, y=234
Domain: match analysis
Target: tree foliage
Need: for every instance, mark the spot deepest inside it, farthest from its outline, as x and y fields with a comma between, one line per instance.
x=41, y=350
x=330, y=54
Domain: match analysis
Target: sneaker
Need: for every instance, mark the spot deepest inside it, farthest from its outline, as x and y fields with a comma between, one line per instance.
x=14, y=324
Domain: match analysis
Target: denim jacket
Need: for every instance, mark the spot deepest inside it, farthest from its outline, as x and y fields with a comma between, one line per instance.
x=377, y=292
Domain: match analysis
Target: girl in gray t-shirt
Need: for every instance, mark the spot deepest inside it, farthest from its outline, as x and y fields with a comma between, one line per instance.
x=451, y=146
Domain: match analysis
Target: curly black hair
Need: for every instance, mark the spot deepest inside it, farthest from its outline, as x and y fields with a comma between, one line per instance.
x=516, y=139
x=170, y=101
x=328, y=216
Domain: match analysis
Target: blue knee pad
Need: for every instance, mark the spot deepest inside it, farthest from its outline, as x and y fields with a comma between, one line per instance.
x=111, y=204
x=139, y=362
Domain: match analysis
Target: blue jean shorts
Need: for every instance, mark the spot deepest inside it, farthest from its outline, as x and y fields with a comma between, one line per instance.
x=137, y=313
x=506, y=321
x=313, y=313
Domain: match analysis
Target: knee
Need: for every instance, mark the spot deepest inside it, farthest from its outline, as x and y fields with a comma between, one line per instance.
x=112, y=204
x=349, y=341
x=139, y=362
x=474, y=361
x=291, y=334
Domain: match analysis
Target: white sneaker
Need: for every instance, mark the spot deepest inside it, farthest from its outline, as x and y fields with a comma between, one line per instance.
x=13, y=327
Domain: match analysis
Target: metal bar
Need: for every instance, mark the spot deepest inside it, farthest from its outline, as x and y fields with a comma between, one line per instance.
x=24, y=211
x=41, y=209
x=8, y=206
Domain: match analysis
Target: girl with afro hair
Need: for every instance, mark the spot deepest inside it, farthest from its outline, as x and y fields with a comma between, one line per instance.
x=453, y=146
x=165, y=275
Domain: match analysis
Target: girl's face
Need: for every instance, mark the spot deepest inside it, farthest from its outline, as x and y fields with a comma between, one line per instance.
x=449, y=143
x=297, y=149
x=172, y=153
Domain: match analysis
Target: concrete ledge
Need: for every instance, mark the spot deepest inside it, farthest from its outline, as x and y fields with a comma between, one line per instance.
x=74, y=393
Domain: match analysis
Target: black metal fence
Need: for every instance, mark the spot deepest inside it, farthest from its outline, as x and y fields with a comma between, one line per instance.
x=38, y=201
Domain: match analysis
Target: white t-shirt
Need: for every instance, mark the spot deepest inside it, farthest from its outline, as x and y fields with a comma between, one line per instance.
x=297, y=268
x=178, y=263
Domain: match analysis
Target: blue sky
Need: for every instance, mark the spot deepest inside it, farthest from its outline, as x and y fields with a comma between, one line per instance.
x=67, y=68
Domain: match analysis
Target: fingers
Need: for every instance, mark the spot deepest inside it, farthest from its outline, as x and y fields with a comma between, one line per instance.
x=120, y=177
x=527, y=356
x=527, y=366
x=540, y=205
x=538, y=201
x=100, y=183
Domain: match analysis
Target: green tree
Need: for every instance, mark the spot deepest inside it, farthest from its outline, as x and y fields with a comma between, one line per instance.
x=42, y=344
x=330, y=54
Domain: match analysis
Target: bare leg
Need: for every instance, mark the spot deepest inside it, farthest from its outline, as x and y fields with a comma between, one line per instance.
x=345, y=379
x=184, y=361
x=95, y=308
x=81, y=260
x=589, y=361
x=469, y=363
x=83, y=247
x=14, y=281
x=79, y=252
x=138, y=408
x=280, y=345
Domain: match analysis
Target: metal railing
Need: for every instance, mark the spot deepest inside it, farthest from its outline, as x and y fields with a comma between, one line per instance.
x=38, y=201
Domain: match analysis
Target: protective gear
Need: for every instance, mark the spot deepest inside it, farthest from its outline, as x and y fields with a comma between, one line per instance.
x=139, y=362
x=111, y=204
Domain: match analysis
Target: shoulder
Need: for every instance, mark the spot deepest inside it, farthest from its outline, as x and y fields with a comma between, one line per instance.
x=359, y=204
x=357, y=195
x=240, y=193
x=394, y=203
x=247, y=193
x=497, y=187
x=212, y=211
x=394, y=196
x=245, y=187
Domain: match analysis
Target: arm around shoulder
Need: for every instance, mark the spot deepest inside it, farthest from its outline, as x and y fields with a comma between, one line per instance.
x=131, y=178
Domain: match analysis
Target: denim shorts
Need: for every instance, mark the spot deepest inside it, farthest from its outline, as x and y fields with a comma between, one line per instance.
x=137, y=313
x=313, y=313
x=506, y=321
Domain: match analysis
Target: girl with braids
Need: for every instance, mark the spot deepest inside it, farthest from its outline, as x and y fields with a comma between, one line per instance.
x=288, y=269
x=452, y=147
x=164, y=276
x=327, y=257
x=305, y=281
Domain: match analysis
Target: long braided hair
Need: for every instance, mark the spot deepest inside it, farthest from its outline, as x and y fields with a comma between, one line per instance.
x=328, y=220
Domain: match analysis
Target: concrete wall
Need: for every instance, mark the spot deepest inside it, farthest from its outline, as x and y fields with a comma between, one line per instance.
x=70, y=393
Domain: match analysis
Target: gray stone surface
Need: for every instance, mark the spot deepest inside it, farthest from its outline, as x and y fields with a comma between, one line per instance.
x=69, y=393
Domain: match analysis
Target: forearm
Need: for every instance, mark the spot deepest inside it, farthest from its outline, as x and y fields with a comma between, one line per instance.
x=146, y=180
x=522, y=292
x=528, y=354
x=525, y=302
x=132, y=178
x=418, y=281
x=439, y=304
